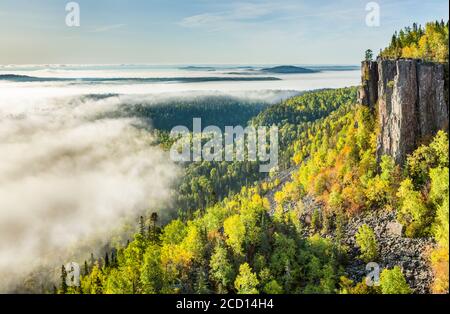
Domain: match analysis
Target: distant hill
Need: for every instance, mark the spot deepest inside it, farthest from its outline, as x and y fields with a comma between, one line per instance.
x=287, y=69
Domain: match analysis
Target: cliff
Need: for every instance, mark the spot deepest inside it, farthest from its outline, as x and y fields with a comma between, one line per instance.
x=411, y=98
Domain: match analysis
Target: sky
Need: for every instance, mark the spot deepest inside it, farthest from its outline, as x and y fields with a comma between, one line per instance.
x=203, y=31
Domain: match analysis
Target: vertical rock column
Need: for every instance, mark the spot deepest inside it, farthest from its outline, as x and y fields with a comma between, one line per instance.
x=410, y=96
x=432, y=105
x=412, y=106
x=404, y=118
x=368, y=93
x=387, y=71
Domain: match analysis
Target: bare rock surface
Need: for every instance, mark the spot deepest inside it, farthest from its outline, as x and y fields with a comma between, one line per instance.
x=395, y=249
x=412, y=255
x=410, y=99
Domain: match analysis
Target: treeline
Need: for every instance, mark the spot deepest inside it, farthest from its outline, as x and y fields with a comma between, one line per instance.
x=429, y=43
x=219, y=111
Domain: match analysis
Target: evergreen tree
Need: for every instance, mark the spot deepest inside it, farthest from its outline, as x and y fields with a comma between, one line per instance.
x=64, y=287
x=91, y=261
x=368, y=55
x=153, y=220
x=201, y=285
x=106, y=260
x=142, y=226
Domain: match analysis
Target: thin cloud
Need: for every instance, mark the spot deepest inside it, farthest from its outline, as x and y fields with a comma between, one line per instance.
x=201, y=20
x=107, y=28
x=240, y=12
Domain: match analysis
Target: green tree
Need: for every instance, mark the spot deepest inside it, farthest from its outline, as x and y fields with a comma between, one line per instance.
x=152, y=228
x=392, y=281
x=174, y=232
x=142, y=225
x=380, y=189
x=194, y=242
x=130, y=264
x=439, y=195
x=368, y=55
x=201, y=282
x=63, y=289
x=316, y=222
x=283, y=262
x=428, y=157
x=222, y=272
x=106, y=260
x=413, y=213
x=246, y=282
x=151, y=271
x=273, y=287
x=367, y=243
x=94, y=282
x=234, y=229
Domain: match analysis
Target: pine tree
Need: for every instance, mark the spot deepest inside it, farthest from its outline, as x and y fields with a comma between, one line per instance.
x=106, y=260
x=86, y=269
x=369, y=55
x=91, y=261
x=315, y=220
x=63, y=280
x=153, y=220
x=142, y=226
x=201, y=286
x=113, y=258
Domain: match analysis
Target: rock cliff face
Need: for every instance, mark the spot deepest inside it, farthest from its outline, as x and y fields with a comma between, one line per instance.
x=369, y=79
x=411, y=99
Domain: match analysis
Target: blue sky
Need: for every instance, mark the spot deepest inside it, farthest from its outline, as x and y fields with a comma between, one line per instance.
x=203, y=31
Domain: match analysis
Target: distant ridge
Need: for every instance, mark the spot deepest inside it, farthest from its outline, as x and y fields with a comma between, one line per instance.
x=287, y=69
x=25, y=78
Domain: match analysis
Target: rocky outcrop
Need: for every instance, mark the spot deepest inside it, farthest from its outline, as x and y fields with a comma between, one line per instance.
x=394, y=249
x=368, y=93
x=411, y=255
x=410, y=99
x=432, y=105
